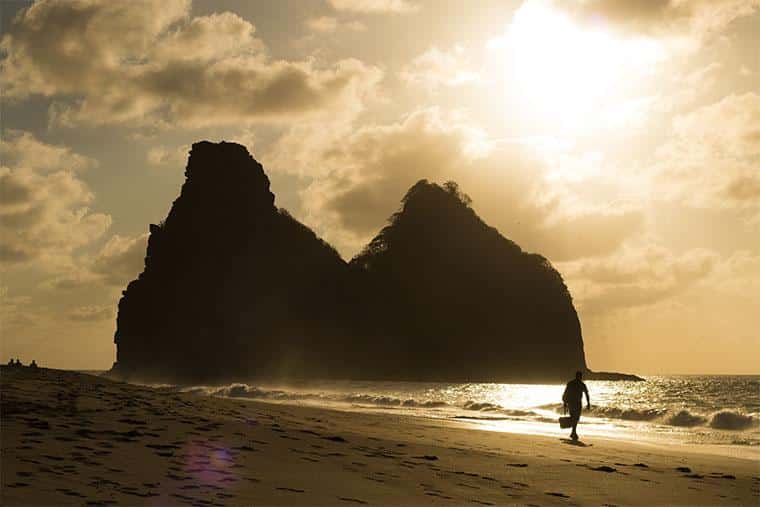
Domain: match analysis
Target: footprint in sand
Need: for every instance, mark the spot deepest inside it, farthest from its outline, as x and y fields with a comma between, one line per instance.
x=352, y=500
x=685, y=470
x=438, y=494
x=561, y=495
x=720, y=475
x=604, y=468
x=291, y=490
x=70, y=492
x=517, y=465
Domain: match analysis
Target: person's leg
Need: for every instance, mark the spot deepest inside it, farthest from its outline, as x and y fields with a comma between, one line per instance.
x=575, y=413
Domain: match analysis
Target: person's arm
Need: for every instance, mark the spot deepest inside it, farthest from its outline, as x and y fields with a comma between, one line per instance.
x=564, y=400
x=588, y=399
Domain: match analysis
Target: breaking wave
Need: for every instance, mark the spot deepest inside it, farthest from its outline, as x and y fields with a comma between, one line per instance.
x=729, y=420
x=686, y=419
x=252, y=392
x=722, y=420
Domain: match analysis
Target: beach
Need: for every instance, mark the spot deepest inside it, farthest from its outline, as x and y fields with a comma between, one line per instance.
x=76, y=439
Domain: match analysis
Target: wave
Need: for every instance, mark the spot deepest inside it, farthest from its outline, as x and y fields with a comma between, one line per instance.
x=252, y=392
x=731, y=420
x=686, y=419
x=628, y=414
x=722, y=420
x=612, y=412
x=744, y=441
x=493, y=407
x=728, y=420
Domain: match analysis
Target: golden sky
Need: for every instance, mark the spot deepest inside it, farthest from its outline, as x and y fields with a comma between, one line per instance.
x=619, y=138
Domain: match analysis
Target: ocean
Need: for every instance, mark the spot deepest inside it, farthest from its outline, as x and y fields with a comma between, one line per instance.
x=722, y=410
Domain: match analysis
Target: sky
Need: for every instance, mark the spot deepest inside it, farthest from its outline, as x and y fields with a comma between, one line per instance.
x=618, y=138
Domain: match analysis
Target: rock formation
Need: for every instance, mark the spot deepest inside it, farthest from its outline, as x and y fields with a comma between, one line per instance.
x=231, y=284
x=234, y=288
x=455, y=299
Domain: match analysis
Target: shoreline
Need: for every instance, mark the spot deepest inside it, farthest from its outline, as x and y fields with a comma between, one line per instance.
x=71, y=438
x=542, y=430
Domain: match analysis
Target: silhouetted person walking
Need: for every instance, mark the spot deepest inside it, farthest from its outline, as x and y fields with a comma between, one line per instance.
x=573, y=400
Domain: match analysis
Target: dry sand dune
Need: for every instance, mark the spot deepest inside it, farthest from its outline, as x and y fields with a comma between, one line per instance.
x=75, y=439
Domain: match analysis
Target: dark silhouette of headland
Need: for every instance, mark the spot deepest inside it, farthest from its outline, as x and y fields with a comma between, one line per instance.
x=235, y=288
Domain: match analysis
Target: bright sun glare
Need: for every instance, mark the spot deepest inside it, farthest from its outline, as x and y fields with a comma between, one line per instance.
x=565, y=70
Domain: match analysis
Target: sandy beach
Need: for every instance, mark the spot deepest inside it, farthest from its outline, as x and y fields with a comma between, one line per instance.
x=76, y=439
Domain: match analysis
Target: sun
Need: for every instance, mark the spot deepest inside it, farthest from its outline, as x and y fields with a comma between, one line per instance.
x=566, y=71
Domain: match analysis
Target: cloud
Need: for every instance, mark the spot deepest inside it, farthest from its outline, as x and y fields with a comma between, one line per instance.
x=149, y=62
x=163, y=156
x=711, y=167
x=329, y=24
x=361, y=178
x=375, y=6
x=743, y=189
x=92, y=313
x=22, y=149
x=589, y=234
x=637, y=275
x=436, y=68
x=663, y=17
x=16, y=312
x=44, y=211
x=121, y=259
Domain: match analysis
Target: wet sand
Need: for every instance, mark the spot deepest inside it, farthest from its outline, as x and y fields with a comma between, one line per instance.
x=76, y=439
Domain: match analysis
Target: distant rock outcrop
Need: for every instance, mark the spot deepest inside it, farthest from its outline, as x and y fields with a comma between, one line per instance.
x=235, y=288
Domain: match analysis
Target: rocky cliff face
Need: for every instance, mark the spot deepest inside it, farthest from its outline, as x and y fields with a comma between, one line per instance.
x=235, y=288
x=231, y=284
x=457, y=300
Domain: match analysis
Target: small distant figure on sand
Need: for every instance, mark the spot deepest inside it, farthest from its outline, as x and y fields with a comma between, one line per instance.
x=573, y=400
x=11, y=362
x=33, y=364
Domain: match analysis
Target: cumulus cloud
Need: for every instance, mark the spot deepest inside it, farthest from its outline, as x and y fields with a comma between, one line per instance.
x=22, y=149
x=435, y=68
x=149, y=62
x=375, y=6
x=44, y=209
x=121, y=259
x=713, y=167
x=363, y=177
